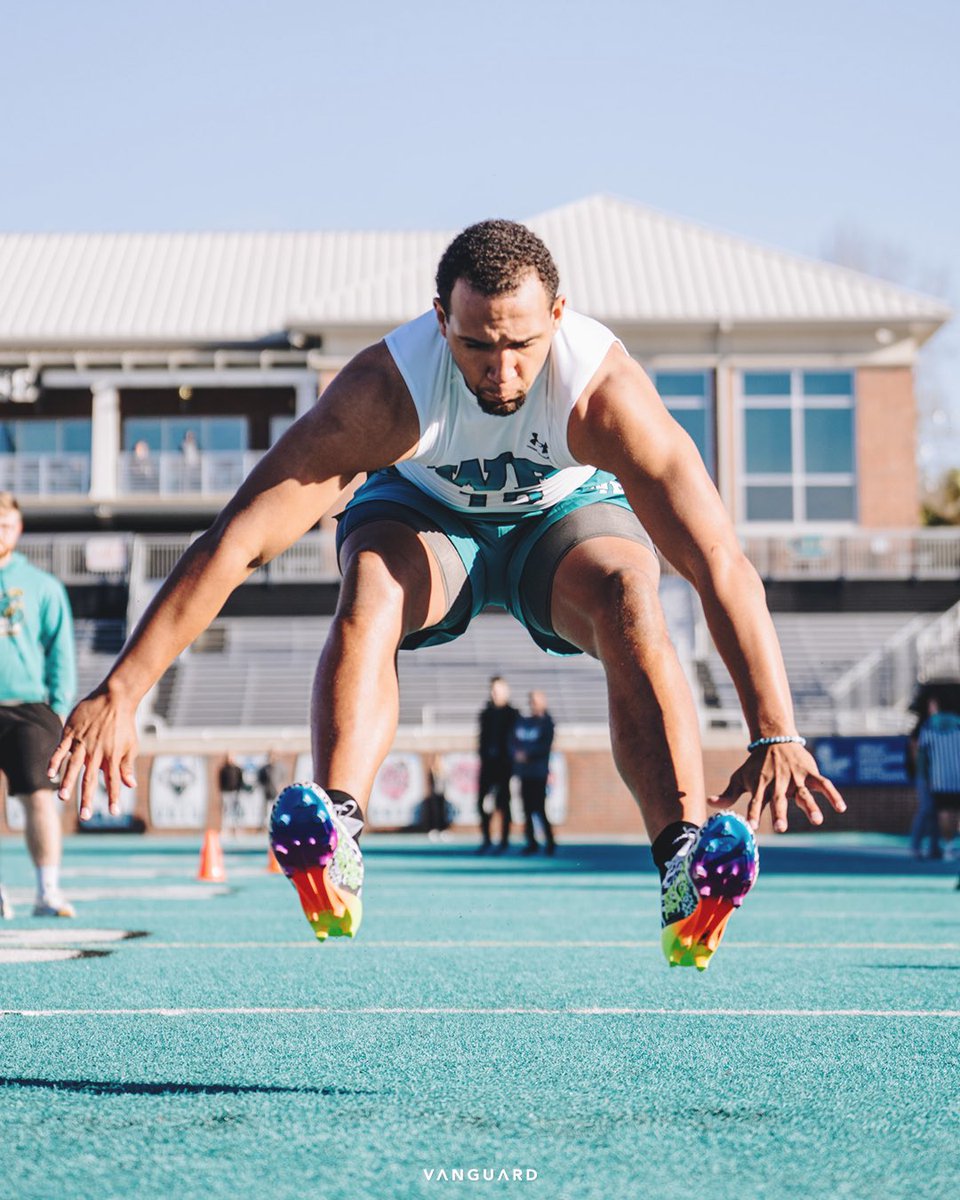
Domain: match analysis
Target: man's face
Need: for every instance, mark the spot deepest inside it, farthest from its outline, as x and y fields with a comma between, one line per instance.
x=500, y=692
x=500, y=343
x=11, y=526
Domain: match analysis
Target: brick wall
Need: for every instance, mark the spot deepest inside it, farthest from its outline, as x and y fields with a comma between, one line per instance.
x=599, y=804
x=886, y=447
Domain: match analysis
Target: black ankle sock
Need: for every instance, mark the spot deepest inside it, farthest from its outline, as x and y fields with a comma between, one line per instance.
x=346, y=806
x=672, y=839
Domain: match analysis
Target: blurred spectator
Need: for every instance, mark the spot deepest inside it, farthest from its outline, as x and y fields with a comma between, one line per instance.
x=272, y=778
x=530, y=744
x=939, y=758
x=496, y=726
x=230, y=781
x=37, y=685
x=435, y=818
x=189, y=449
x=926, y=822
x=144, y=474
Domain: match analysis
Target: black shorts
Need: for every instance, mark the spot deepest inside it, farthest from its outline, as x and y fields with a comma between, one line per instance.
x=29, y=734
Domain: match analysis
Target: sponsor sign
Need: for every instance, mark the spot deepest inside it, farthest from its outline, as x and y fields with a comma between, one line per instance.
x=863, y=761
x=461, y=772
x=178, y=791
x=398, y=791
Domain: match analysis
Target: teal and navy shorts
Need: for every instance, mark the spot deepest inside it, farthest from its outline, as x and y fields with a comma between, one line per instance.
x=509, y=564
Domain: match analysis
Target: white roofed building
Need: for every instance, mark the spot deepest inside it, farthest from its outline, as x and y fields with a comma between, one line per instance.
x=142, y=375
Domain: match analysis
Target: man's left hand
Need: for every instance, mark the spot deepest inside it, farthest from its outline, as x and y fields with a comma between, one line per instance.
x=775, y=775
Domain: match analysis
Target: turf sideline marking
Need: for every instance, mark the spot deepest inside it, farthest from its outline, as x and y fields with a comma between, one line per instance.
x=310, y=944
x=951, y=1013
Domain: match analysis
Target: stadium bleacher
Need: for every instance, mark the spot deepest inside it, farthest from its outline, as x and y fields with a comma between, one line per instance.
x=818, y=649
x=259, y=672
x=98, y=643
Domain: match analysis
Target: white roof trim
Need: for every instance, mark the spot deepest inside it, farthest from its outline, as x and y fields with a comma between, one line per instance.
x=620, y=262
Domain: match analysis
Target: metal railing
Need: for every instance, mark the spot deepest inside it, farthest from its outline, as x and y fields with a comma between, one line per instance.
x=312, y=559
x=173, y=473
x=867, y=554
x=79, y=559
x=45, y=474
x=872, y=696
x=938, y=647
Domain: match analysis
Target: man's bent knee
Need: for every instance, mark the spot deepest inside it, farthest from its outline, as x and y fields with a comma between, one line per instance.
x=390, y=575
x=601, y=595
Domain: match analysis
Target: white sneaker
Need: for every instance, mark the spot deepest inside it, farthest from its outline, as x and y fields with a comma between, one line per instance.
x=53, y=906
x=6, y=908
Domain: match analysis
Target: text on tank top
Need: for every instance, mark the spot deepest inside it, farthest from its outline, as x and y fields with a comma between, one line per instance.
x=474, y=461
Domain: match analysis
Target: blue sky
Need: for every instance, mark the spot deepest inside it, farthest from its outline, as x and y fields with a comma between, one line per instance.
x=784, y=125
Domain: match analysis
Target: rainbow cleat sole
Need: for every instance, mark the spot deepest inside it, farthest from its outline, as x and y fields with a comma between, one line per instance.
x=320, y=858
x=703, y=887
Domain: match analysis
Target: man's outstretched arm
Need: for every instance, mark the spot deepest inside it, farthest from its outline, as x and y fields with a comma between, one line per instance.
x=364, y=420
x=624, y=427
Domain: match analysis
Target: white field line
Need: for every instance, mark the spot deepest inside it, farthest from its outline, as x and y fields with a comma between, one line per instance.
x=37, y=955
x=56, y=938
x=380, y=1011
x=87, y=937
x=61, y=937
x=425, y=944
x=161, y=892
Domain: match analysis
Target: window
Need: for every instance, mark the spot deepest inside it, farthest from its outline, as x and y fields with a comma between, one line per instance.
x=798, y=445
x=52, y=437
x=168, y=433
x=689, y=397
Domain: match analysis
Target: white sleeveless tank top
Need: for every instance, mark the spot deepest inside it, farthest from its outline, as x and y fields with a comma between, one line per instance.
x=471, y=460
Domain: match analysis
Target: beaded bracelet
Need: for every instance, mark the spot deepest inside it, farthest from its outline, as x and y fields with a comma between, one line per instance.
x=775, y=741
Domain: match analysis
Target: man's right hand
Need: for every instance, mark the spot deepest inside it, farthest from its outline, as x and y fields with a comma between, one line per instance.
x=99, y=735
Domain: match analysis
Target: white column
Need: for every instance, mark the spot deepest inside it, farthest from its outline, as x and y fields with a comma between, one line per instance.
x=306, y=394
x=105, y=443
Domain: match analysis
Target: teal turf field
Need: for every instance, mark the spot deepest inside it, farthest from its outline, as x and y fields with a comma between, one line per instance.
x=493, y=1014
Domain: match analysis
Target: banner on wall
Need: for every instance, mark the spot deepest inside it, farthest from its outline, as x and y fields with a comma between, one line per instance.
x=556, y=806
x=461, y=770
x=863, y=761
x=398, y=792
x=178, y=791
x=100, y=817
x=398, y=789
x=401, y=784
x=461, y=773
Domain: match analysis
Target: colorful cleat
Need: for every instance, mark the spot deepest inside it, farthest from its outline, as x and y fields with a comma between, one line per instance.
x=316, y=850
x=702, y=887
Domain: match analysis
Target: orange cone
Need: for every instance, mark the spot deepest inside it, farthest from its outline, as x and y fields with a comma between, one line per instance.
x=212, y=869
x=273, y=867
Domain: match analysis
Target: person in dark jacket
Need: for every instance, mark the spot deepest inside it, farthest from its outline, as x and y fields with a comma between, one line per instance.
x=230, y=781
x=530, y=747
x=496, y=726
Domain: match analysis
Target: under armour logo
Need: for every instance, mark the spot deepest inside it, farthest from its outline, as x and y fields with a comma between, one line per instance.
x=540, y=447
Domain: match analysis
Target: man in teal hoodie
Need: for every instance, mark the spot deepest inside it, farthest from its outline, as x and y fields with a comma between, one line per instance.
x=37, y=688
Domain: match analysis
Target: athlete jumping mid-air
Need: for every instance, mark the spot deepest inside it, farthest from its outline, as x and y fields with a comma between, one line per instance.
x=516, y=456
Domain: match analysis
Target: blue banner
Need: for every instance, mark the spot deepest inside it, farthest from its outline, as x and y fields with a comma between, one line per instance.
x=863, y=761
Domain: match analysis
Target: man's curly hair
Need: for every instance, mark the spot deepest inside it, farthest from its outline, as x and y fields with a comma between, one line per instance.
x=493, y=257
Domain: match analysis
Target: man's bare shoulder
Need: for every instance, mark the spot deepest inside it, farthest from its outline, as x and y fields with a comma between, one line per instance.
x=373, y=376
x=368, y=410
